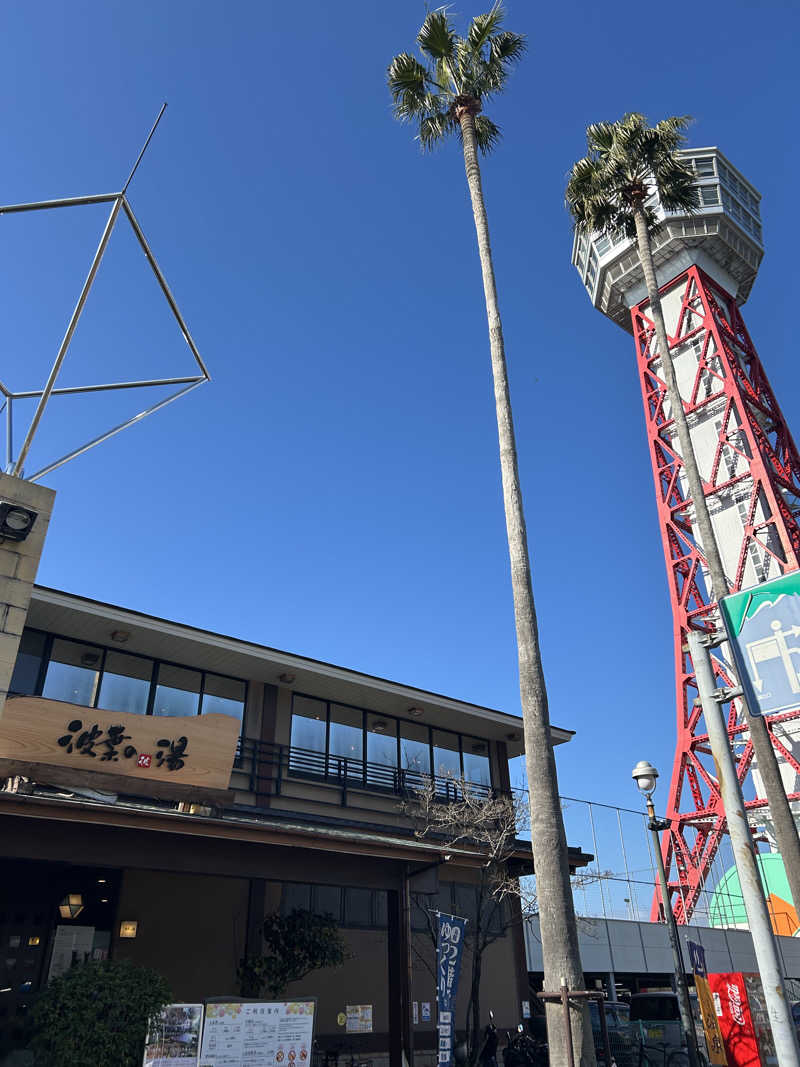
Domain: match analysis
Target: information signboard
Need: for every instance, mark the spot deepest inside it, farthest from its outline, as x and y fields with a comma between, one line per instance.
x=763, y=627
x=359, y=1019
x=270, y=1034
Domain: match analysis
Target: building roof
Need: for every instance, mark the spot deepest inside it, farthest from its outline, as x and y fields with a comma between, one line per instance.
x=92, y=620
x=261, y=828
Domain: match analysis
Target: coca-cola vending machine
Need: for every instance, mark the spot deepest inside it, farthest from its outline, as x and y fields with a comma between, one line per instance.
x=742, y=1013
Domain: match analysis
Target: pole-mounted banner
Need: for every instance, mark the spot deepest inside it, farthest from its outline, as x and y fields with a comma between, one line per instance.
x=449, y=948
x=763, y=627
x=714, y=1042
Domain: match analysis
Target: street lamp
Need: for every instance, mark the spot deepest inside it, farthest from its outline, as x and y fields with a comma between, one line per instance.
x=645, y=775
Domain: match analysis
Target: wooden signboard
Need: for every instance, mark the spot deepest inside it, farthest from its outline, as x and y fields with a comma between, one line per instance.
x=169, y=751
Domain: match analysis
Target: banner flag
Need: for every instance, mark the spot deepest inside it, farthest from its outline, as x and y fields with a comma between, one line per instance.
x=449, y=949
x=714, y=1042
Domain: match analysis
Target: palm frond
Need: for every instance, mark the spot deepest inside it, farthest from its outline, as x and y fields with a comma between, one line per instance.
x=484, y=26
x=476, y=65
x=671, y=130
x=435, y=128
x=408, y=84
x=628, y=160
x=600, y=137
x=487, y=133
x=436, y=37
x=507, y=47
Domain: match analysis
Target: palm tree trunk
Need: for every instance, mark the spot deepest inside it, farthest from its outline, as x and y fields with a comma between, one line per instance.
x=785, y=828
x=556, y=910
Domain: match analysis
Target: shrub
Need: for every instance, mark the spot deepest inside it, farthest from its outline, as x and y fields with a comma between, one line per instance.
x=96, y=1015
x=297, y=944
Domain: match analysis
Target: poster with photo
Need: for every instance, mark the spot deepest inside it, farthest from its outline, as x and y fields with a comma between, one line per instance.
x=270, y=1034
x=359, y=1019
x=173, y=1039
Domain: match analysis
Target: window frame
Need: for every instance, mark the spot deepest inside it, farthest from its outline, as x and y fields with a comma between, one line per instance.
x=328, y=761
x=342, y=921
x=51, y=637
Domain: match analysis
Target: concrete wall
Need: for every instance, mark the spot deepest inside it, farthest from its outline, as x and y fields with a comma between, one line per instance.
x=19, y=561
x=363, y=979
x=191, y=929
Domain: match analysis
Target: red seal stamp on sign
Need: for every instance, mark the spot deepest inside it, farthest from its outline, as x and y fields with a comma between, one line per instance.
x=144, y=760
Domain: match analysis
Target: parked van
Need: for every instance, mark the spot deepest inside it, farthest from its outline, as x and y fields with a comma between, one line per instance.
x=659, y=1019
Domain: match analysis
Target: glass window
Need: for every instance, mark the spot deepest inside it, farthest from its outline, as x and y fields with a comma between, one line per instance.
x=177, y=692
x=357, y=907
x=422, y=905
x=495, y=917
x=346, y=741
x=476, y=762
x=223, y=696
x=380, y=908
x=328, y=901
x=466, y=902
x=602, y=245
x=381, y=750
x=295, y=895
x=704, y=166
x=309, y=731
x=125, y=685
x=25, y=678
x=709, y=194
x=446, y=757
x=415, y=750
x=72, y=672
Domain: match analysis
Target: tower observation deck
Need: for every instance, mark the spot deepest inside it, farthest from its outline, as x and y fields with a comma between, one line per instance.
x=706, y=263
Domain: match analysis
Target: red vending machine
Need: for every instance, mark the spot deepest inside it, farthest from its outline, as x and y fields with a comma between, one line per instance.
x=742, y=1013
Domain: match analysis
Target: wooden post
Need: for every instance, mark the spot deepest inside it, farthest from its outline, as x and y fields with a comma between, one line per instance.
x=399, y=953
x=567, y=1024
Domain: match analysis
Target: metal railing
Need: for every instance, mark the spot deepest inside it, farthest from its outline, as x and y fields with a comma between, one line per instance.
x=272, y=769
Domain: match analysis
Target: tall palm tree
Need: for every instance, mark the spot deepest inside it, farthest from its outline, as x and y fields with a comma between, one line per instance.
x=609, y=189
x=444, y=94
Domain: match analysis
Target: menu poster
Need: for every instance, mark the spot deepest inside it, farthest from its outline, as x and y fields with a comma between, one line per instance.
x=246, y=1033
x=173, y=1039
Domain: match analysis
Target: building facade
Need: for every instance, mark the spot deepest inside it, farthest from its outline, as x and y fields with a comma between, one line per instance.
x=166, y=787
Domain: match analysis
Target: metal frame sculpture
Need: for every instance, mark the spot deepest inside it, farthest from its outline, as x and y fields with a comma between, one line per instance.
x=119, y=204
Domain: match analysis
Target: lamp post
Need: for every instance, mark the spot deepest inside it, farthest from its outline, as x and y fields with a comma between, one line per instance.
x=645, y=775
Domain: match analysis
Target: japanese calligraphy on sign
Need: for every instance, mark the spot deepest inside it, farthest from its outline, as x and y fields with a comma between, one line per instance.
x=77, y=739
x=449, y=949
x=184, y=750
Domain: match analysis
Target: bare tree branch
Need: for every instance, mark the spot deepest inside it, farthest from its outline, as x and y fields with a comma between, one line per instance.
x=462, y=814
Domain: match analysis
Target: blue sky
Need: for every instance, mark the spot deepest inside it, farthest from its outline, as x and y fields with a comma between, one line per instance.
x=335, y=491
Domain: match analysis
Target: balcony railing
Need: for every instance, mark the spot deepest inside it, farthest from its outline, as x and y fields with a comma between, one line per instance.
x=272, y=769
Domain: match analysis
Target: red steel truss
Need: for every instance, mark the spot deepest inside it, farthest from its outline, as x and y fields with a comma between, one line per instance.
x=749, y=425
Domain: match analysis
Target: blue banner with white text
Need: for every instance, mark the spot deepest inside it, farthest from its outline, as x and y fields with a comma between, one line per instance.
x=449, y=948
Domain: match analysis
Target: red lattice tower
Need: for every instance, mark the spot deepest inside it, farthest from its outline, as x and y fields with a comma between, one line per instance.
x=748, y=462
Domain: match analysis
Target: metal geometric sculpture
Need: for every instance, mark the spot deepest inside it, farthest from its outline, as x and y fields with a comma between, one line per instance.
x=119, y=204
